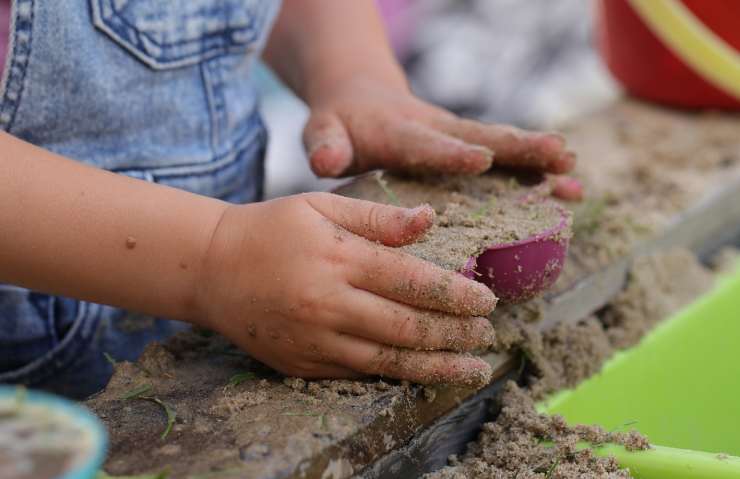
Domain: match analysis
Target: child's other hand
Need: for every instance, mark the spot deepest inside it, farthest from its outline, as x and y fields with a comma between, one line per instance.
x=312, y=286
x=364, y=125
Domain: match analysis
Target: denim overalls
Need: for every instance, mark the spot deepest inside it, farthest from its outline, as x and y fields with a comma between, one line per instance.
x=154, y=89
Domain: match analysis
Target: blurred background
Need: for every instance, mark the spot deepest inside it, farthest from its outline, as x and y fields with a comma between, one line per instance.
x=531, y=64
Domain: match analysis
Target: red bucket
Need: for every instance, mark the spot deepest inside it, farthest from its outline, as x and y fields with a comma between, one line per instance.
x=683, y=53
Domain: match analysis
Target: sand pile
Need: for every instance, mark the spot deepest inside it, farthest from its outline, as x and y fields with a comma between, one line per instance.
x=524, y=444
x=511, y=446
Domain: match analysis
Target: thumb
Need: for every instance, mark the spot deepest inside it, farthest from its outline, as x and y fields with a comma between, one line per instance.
x=386, y=224
x=328, y=144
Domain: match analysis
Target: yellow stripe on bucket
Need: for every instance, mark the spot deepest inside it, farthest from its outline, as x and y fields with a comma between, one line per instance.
x=692, y=41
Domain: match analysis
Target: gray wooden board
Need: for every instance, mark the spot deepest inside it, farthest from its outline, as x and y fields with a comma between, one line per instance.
x=429, y=449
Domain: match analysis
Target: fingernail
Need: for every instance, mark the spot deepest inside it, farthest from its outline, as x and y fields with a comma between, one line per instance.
x=564, y=163
x=557, y=137
x=488, y=335
x=317, y=146
x=483, y=301
x=425, y=209
x=329, y=161
x=570, y=158
x=488, y=154
x=421, y=217
x=474, y=372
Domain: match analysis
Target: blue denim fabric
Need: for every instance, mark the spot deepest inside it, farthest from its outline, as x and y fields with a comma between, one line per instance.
x=156, y=90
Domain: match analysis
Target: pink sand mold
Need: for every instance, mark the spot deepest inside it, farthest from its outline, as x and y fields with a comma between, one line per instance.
x=519, y=270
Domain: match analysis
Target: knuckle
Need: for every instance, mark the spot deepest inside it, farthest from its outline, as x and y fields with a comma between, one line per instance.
x=308, y=304
x=321, y=122
x=383, y=361
x=318, y=306
x=312, y=197
x=415, y=281
x=373, y=218
x=406, y=331
x=304, y=297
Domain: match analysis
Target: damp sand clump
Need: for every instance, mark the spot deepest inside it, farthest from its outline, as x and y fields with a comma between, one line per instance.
x=472, y=213
x=562, y=356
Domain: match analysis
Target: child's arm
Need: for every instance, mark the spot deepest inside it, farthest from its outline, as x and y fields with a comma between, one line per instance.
x=333, y=53
x=71, y=229
x=301, y=283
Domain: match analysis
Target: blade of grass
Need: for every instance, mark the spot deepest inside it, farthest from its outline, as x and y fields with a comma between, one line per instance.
x=139, y=393
x=239, y=378
x=110, y=359
x=588, y=219
x=552, y=468
x=171, y=414
x=136, y=392
x=386, y=189
x=488, y=206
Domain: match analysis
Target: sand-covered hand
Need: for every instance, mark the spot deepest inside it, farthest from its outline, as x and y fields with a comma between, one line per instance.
x=314, y=286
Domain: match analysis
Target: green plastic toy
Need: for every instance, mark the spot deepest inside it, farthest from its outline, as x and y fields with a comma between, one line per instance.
x=680, y=387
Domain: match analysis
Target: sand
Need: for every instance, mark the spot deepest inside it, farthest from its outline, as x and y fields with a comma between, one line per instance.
x=510, y=446
x=267, y=413
x=261, y=425
x=638, y=175
x=472, y=213
x=524, y=444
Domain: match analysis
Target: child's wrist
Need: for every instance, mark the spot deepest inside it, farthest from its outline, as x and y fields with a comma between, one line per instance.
x=209, y=215
x=216, y=259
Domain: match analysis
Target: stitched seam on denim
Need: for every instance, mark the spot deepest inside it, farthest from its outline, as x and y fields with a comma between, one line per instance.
x=244, y=132
x=193, y=53
x=9, y=57
x=220, y=34
x=215, y=85
x=51, y=320
x=77, y=339
x=19, y=55
x=260, y=183
x=125, y=43
x=209, y=102
x=224, y=161
x=252, y=130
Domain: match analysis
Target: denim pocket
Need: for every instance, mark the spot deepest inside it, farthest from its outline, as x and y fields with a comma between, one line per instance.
x=175, y=33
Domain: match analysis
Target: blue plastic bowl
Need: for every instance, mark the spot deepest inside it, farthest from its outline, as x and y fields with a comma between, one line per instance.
x=79, y=416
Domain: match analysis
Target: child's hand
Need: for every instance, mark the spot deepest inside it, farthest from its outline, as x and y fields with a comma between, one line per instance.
x=366, y=125
x=305, y=285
